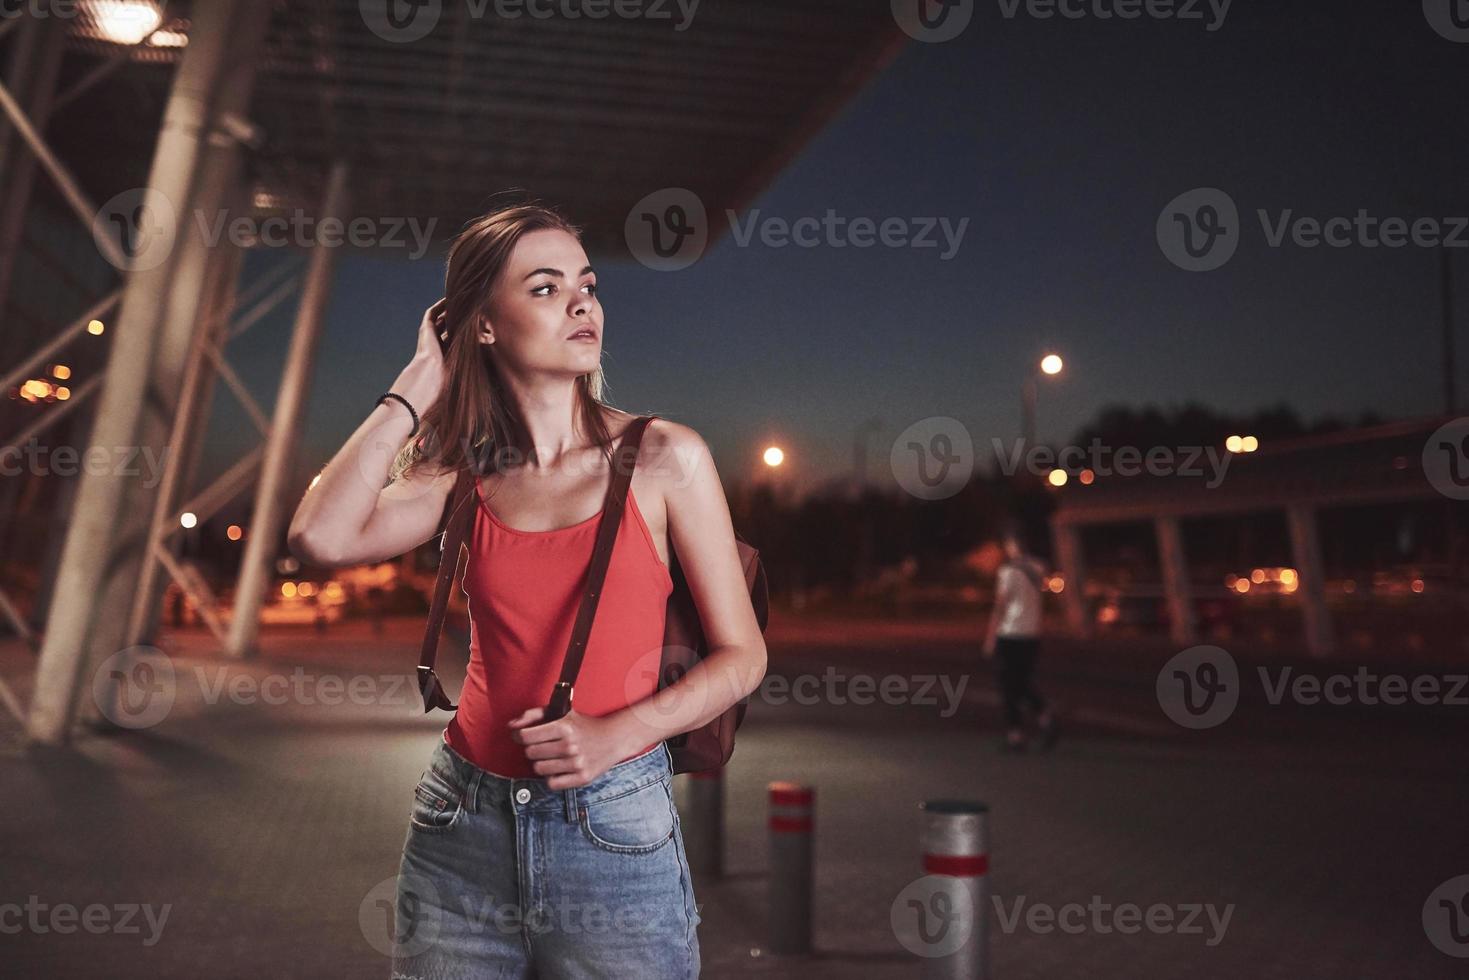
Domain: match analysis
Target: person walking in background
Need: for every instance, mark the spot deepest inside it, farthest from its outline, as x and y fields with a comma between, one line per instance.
x=1013, y=639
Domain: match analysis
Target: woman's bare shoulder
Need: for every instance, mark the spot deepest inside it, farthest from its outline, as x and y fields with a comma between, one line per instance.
x=677, y=459
x=668, y=444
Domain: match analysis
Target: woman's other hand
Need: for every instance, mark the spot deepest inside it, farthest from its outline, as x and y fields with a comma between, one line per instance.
x=574, y=749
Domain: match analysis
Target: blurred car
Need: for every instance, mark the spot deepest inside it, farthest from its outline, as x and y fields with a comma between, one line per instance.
x=1147, y=605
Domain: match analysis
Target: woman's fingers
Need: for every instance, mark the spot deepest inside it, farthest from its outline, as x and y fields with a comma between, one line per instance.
x=429, y=329
x=553, y=767
x=527, y=717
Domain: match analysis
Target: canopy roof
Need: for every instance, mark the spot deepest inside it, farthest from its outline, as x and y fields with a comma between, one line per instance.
x=591, y=113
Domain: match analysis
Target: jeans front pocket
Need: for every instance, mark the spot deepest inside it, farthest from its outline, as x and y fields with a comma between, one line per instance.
x=636, y=822
x=438, y=804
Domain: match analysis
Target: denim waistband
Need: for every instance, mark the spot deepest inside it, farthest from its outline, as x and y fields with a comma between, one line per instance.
x=482, y=788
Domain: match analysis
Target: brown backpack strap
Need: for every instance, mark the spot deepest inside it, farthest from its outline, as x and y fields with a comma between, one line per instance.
x=454, y=524
x=623, y=463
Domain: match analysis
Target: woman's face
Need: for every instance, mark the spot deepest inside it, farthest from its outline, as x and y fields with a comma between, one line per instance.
x=546, y=295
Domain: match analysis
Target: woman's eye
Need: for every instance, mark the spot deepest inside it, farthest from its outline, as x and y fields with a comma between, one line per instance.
x=536, y=290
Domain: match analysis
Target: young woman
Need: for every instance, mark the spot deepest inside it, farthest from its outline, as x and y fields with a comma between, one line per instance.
x=539, y=848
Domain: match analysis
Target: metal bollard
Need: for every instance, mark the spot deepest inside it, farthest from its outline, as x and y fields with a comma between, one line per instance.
x=792, y=810
x=955, y=841
x=703, y=830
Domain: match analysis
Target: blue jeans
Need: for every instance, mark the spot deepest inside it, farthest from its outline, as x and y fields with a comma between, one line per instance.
x=506, y=878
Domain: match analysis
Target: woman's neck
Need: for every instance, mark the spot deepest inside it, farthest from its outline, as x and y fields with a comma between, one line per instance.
x=551, y=414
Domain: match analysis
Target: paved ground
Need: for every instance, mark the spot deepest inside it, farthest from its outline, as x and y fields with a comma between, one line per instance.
x=262, y=828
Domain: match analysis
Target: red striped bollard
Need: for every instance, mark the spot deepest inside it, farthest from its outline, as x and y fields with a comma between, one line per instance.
x=702, y=817
x=792, y=877
x=956, y=862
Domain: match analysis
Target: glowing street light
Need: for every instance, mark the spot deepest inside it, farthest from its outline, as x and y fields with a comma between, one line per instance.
x=126, y=21
x=1050, y=365
x=1241, y=444
x=773, y=456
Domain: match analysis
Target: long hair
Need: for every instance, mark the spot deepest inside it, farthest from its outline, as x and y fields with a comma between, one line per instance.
x=475, y=422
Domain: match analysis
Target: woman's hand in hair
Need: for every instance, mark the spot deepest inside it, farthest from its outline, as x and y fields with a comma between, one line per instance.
x=423, y=379
x=574, y=749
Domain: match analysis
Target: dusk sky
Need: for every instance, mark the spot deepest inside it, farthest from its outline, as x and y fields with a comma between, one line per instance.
x=1059, y=142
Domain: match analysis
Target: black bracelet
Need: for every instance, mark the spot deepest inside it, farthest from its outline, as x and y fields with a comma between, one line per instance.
x=393, y=394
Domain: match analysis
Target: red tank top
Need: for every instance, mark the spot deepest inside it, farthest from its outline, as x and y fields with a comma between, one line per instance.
x=523, y=590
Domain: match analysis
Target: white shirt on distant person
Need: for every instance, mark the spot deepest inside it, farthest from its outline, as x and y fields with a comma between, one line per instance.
x=1018, y=599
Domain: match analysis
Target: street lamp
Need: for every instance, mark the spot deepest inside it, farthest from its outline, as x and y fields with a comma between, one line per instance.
x=773, y=462
x=1050, y=365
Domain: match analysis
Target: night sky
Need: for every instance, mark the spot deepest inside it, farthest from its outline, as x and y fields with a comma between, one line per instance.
x=1061, y=141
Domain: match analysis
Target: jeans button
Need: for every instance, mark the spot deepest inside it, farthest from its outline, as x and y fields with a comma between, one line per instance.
x=522, y=795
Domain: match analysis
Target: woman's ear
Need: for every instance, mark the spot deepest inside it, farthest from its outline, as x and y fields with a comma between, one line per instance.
x=486, y=332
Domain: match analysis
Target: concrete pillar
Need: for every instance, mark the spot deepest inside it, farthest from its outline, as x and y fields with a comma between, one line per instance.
x=92, y=538
x=792, y=881
x=1071, y=559
x=954, y=840
x=1176, y=585
x=264, y=537
x=132, y=587
x=1305, y=547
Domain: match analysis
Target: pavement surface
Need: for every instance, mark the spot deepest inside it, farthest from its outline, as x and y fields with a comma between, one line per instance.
x=243, y=833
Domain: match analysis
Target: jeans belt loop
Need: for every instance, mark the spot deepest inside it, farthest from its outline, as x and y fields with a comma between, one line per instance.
x=569, y=797
x=471, y=793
